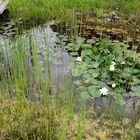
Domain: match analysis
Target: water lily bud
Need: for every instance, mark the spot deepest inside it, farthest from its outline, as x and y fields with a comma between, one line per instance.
x=123, y=62
x=114, y=85
x=113, y=63
x=112, y=68
x=79, y=59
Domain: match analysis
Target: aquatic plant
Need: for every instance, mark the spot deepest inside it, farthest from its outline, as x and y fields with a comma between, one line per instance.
x=107, y=64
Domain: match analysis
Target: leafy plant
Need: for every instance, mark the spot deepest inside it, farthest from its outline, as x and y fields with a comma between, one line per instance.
x=107, y=64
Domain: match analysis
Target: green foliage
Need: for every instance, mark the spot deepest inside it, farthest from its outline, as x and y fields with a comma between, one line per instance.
x=63, y=9
x=95, y=68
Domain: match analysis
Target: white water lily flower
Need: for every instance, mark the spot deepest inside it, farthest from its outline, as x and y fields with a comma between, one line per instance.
x=79, y=59
x=113, y=63
x=112, y=68
x=123, y=62
x=104, y=91
x=114, y=85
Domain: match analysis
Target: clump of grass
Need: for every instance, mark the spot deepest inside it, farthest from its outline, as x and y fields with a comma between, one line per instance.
x=25, y=120
x=31, y=120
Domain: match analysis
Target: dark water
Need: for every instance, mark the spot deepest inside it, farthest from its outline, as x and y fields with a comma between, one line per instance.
x=44, y=39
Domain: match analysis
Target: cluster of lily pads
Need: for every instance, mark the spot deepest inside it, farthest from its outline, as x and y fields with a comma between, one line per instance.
x=105, y=68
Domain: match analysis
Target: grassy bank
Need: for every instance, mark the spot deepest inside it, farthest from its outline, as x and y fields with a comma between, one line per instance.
x=26, y=120
x=63, y=9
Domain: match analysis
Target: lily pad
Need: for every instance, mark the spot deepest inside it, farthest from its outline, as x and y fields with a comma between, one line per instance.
x=74, y=54
x=91, y=41
x=57, y=61
x=136, y=91
x=93, y=91
x=85, y=95
x=119, y=99
x=77, y=82
x=80, y=40
x=75, y=72
x=86, y=52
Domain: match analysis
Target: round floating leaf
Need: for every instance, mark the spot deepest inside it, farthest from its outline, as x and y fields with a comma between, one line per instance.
x=95, y=65
x=136, y=71
x=74, y=54
x=87, y=76
x=85, y=95
x=80, y=40
x=86, y=46
x=91, y=41
x=95, y=82
x=68, y=48
x=71, y=65
x=119, y=99
x=93, y=91
x=57, y=54
x=77, y=47
x=76, y=72
x=106, y=51
x=136, y=91
x=88, y=81
x=136, y=80
x=77, y=82
x=57, y=61
x=70, y=44
x=88, y=59
x=95, y=75
x=86, y=52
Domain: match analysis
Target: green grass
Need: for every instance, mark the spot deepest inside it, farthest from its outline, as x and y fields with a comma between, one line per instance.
x=27, y=104
x=26, y=120
x=63, y=9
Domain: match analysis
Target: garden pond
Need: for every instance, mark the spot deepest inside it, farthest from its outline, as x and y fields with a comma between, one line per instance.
x=103, y=71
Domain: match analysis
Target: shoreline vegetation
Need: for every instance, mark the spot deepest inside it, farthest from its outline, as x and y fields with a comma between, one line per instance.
x=63, y=9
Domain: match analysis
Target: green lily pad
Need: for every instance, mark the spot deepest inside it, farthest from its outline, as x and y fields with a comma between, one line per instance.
x=76, y=72
x=95, y=65
x=87, y=76
x=93, y=91
x=85, y=95
x=136, y=91
x=91, y=41
x=77, y=82
x=80, y=40
x=86, y=46
x=74, y=54
x=57, y=62
x=119, y=99
x=57, y=54
x=86, y=52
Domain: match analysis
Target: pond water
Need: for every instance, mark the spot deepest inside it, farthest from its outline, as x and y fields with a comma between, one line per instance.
x=44, y=38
